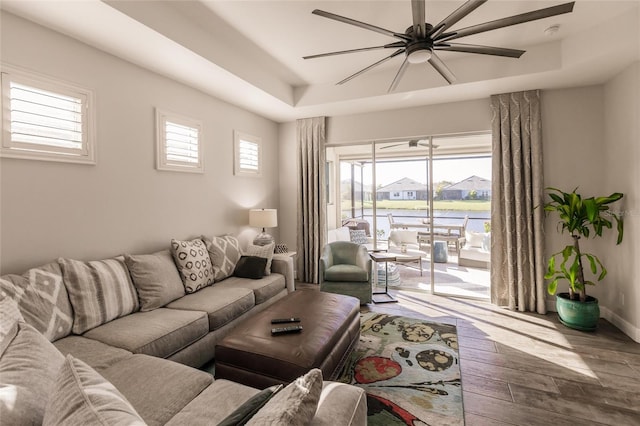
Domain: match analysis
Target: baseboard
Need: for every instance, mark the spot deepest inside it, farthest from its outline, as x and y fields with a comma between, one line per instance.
x=623, y=325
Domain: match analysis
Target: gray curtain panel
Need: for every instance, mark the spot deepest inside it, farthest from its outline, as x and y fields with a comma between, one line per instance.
x=312, y=221
x=517, y=246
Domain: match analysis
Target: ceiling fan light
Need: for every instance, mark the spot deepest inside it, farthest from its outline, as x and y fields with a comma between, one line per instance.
x=419, y=56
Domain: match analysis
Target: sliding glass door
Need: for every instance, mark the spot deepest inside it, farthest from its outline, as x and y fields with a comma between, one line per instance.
x=426, y=199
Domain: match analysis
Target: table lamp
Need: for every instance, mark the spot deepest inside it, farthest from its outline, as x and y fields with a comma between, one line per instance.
x=263, y=218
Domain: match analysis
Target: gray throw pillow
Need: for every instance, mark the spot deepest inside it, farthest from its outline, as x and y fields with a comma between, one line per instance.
x=294, y=405
x=156, y=278
x=81, y=396
x=28, y=368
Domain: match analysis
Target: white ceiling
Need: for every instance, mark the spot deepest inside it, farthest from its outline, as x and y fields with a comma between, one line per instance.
x=250, y=52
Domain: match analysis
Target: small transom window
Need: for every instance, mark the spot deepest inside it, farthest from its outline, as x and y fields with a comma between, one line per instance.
x=179, y=146
x=248, y=154
x=45, y=119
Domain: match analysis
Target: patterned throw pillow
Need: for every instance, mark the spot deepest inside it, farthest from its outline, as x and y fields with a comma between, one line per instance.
x=100, y=291
x=262, y=251
x=225, y=253
x=81, y=396
x=358, y=236
x=42, y=299
x=193, y=263
x=9, y=317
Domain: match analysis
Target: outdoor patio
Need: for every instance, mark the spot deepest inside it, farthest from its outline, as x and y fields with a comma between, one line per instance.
x=449, y=278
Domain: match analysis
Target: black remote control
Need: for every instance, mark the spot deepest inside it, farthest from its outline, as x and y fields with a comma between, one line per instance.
x=289, y=329
x=283, y=320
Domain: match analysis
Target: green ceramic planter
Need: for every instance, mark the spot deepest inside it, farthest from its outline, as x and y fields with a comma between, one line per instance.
x=578, y=315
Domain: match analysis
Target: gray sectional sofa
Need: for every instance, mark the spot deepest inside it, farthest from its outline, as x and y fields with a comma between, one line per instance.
x=132, y=321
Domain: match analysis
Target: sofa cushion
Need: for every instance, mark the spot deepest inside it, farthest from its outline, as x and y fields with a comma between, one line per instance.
x=265, y=251
x=201, y=412
x=294, y=405
x=161, y=332
x=99, y=291
x=156, y=278
x=251, y=267
x=42, y=299
x=158, y=389
x=345, y=272
x=222, y=304
x=97, y=354
x=225, y=253
x=263, y=289
x=28, y=368
x=81, y=396
x=193, y=264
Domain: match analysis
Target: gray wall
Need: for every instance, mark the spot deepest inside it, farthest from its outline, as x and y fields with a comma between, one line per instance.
x=123, y=204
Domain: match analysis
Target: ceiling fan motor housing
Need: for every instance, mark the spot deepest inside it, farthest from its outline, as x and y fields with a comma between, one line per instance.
x=419, y=49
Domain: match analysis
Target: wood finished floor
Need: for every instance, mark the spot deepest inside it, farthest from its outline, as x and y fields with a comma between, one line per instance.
x=528, y=369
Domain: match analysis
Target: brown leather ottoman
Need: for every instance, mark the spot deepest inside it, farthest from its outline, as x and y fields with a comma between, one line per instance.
x=252, y=356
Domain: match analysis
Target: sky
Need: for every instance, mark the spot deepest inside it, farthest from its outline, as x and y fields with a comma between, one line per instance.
x=452, y=170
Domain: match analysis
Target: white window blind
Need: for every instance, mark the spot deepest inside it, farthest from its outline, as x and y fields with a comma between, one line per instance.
x=179, y=147
x=248, y=154
x=45, y=120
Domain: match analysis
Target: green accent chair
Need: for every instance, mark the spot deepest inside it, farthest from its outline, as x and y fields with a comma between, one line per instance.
x=345, y=268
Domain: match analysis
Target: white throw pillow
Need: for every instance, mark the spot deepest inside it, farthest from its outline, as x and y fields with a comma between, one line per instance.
x=262, y=251
x=474, y=239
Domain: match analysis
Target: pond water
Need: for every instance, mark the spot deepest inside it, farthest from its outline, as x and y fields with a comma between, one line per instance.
x=446, y=217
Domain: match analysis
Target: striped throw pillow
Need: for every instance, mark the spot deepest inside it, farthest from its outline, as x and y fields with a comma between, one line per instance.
x=99, y=291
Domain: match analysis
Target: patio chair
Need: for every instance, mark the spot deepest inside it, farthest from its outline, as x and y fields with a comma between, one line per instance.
x=345, y=268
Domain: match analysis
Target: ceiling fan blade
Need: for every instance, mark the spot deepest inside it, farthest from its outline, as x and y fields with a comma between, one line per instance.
x=456, y=16
x=394, y=54
x=440, y=66
x=362, y=49
x=506, y=22
x=391, y=146
x=417, y=9
x=359, y=24
x=484, y=50
x=399, y=75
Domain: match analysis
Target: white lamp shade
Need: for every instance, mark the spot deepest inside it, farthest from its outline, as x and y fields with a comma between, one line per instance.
x=263, y=218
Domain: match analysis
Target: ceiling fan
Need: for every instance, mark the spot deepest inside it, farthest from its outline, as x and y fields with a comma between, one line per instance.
x=420, y=40
x=413, y=143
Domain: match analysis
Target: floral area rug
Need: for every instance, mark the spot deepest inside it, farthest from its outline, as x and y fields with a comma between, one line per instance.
x=409, y=369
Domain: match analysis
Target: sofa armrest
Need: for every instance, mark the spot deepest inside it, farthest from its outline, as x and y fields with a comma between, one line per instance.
x=284, y=265
x=341, y=404
x=363, y=260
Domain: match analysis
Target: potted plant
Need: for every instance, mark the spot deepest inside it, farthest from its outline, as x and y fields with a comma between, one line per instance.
x=580, y=217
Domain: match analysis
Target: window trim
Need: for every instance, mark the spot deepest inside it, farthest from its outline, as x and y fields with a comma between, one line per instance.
x=237, y=138
x=10, y=149
x=164, y=164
